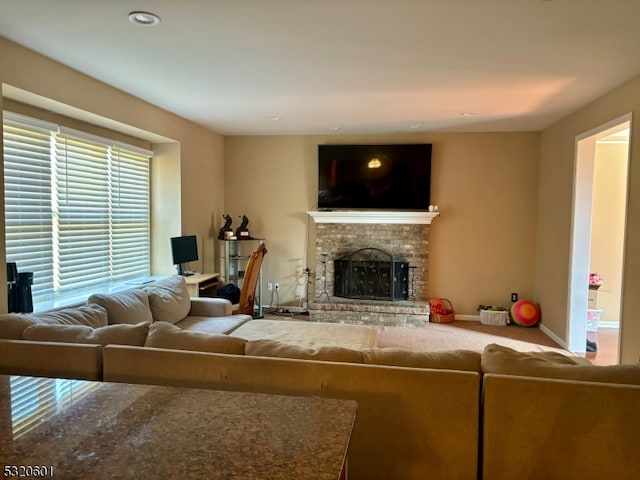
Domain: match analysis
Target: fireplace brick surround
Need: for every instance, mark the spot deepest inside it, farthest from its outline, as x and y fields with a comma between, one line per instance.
x=406, y=241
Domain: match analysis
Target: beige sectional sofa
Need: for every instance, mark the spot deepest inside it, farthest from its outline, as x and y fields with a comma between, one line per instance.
x=441, y=415
x=122, y=318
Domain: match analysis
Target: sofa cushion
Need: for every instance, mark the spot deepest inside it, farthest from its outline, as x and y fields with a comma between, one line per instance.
x=168, y=335
x=273, y=348
x=121, y=334
x=91, y=315
x=130, y=306
x=169, y=299
x=506, y=361
x=12, y=325
x=467, y=360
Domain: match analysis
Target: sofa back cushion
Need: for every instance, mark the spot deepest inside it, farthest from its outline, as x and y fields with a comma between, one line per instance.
x=91, y=315
x=274, y=348
x=130, y=306
x=169, y=299
x=168, y=335
x=506, y=361
x=12, y=325
x=50, y=359
x=121, y=334
x=466, y=360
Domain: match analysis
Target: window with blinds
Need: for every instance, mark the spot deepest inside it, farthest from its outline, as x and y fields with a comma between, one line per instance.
x=76, y=208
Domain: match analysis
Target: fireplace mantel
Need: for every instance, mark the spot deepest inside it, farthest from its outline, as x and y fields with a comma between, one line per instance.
x=369, y=216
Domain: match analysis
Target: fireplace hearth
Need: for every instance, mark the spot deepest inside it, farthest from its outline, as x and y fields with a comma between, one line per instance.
x=371, y=274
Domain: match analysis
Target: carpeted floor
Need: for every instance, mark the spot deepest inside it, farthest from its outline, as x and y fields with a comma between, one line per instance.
x=464, y=335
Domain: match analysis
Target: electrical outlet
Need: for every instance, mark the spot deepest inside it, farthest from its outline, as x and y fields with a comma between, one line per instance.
x=270, y=286
x=514, y=297
x=277, y=285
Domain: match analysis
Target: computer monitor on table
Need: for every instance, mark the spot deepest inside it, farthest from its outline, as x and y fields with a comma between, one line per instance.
x=184, y=249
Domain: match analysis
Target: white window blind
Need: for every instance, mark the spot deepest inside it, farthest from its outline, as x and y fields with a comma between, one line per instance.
x=76, y=208
x=28, y=200
x=34, y=399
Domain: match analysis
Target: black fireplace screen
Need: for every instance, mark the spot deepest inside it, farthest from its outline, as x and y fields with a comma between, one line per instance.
x=372, y=274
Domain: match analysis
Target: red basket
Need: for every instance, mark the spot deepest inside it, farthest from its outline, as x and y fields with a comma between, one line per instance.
x=441, y=311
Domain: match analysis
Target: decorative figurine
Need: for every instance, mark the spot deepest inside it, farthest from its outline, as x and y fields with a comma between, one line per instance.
x=242, y=232
x=226, y=232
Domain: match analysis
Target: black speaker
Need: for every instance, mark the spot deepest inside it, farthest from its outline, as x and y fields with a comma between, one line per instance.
x=12, y=272
x=25, y=300
x=12, y=288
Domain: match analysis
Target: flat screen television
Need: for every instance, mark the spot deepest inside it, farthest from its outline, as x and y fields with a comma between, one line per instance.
x=184, y=250
x=374, y=177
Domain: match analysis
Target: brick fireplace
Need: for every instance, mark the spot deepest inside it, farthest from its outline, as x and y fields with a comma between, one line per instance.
x=403, y=235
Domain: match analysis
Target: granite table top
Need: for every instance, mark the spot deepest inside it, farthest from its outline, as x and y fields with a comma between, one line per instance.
x=70, y=429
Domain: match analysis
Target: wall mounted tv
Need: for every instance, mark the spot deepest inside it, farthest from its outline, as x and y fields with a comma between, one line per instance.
x=184, y=250
x=374, y=177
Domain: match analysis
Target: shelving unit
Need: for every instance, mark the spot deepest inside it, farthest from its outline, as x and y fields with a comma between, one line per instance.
x=234, y=260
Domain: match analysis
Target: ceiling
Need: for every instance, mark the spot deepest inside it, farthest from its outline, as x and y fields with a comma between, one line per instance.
x=344, y=66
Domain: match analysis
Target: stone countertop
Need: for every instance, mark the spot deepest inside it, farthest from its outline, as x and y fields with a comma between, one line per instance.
x=107, y=430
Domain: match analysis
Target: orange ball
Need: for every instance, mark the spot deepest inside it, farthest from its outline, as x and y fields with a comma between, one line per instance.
x=525, y=313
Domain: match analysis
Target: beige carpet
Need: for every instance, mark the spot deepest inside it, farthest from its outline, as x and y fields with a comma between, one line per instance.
x=464, y=335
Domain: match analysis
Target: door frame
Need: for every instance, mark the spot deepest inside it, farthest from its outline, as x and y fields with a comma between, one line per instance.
x=583, y=172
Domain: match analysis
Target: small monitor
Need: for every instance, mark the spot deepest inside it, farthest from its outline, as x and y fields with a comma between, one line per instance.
x=184, y=250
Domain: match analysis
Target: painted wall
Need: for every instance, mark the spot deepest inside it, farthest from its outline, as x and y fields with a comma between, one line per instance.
x=607, y=238
x=197, y=153
x=481, y=248
x=557, y=149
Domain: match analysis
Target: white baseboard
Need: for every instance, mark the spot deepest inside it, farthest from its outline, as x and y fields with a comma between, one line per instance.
x=543, y=329
x=609, y=324
x=553, y=337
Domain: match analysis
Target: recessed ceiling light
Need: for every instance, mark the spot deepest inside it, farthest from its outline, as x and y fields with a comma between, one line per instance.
x=144, y=18
x=415, y=126
x=333, y=128
x=275, y=118
x=469, y=114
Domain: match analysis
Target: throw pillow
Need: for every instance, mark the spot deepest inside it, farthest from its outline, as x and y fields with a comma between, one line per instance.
x=168, y=335
x=169, y=299
x=506, y=361
x=467, y=360
x=91, y=315
x=122, y=334
x=273, y=348
x=130, y=306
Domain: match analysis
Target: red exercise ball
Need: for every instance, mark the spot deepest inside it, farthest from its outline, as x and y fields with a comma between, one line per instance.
x=525, y=313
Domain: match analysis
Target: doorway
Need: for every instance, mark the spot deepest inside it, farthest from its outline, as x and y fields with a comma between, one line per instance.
x=597, y=244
